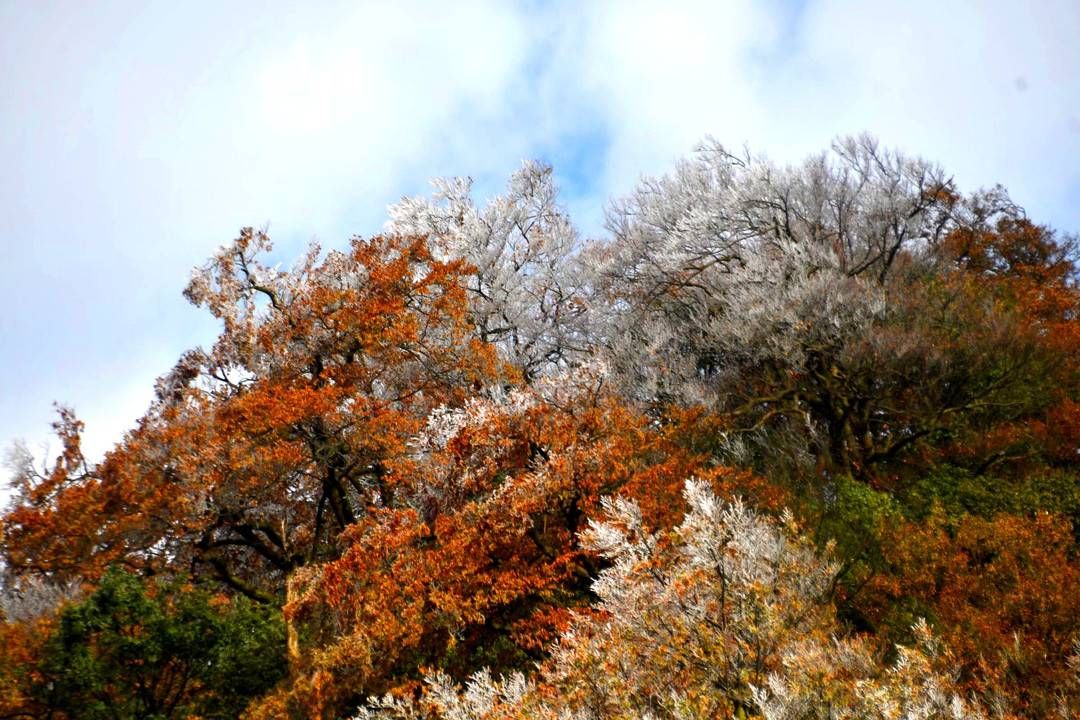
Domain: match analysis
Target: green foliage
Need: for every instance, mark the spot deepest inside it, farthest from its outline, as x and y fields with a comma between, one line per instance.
x=155, y=650
x=959, y=491
x=854, y=517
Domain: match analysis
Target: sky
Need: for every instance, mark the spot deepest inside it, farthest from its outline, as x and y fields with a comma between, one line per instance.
x=136, y=138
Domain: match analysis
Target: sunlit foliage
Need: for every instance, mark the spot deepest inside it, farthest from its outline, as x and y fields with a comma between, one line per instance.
x=459, y=450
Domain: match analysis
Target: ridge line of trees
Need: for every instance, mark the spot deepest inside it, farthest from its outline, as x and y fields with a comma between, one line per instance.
x=389, y=474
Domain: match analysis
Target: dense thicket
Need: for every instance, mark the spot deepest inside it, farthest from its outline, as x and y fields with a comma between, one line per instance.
x=459, y=450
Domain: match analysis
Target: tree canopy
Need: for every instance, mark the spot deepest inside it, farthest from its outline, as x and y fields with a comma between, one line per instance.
x=784, y=442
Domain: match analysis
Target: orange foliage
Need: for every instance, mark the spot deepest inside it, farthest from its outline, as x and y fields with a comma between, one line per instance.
x=478, y=563
x=1002, y=595
x=259, y=452
x=1020, y=278
x=21, y=646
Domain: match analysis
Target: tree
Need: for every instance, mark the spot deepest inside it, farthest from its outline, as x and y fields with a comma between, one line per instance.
x=259, y=452
x=1001, y=593
x=726, y=615
x=479, y=563
x=21, y=646
x=730, y=261
x=845, y=315
x=400, y=444
x=135, y=649
x=528, y=292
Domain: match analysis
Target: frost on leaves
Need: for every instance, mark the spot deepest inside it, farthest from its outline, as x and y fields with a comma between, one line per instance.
x=527, y=288
x=726, y=615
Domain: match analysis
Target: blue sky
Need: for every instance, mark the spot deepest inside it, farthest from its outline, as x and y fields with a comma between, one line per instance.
x=135, y=139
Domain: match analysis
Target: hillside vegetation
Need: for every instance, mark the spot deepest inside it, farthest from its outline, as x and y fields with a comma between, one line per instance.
x=783, y=442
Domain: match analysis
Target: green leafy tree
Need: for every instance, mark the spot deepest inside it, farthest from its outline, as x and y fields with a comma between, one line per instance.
x=155, y=650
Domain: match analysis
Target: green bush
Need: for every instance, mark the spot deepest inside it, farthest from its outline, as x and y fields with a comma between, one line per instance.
x=152, y=650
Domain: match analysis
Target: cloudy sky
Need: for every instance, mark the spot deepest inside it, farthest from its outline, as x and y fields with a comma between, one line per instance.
x=136, y=138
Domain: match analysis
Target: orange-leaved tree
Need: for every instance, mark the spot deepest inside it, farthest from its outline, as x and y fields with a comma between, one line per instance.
x=1001, y=593
x=479, y=562
x=258, y=452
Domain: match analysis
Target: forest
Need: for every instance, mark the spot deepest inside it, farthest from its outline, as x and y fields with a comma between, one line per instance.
x=781, y=442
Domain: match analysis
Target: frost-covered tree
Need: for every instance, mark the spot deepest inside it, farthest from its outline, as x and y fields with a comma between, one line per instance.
x=814, y=305
x=727, y=615
x=527, y=290
x=730, y=260
x=742, y=248
x=25, y=599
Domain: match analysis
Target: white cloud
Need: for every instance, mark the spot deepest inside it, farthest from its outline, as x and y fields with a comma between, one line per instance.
x=137, y=143
x=667, y=74
x=988, y=89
